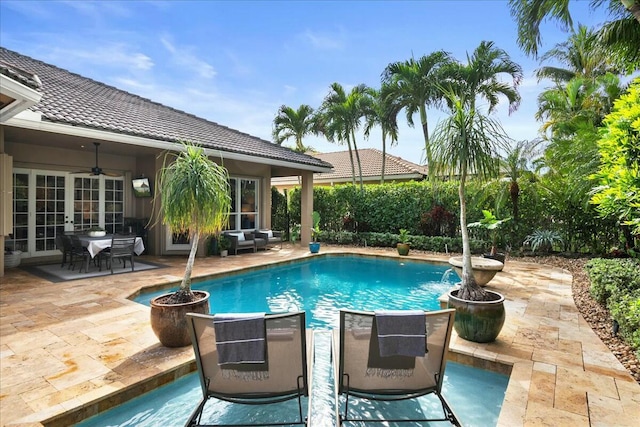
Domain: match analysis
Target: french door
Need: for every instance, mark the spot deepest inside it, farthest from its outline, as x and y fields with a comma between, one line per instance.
x=48, y=203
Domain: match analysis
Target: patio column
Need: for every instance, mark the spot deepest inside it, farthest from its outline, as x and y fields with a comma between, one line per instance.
x=306, y=211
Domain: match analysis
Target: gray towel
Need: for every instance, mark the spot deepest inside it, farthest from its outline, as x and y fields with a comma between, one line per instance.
x=401, y=333
x=240, y=338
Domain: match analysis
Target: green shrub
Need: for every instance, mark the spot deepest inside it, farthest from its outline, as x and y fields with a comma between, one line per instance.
x=626, y=311
x=612, y=277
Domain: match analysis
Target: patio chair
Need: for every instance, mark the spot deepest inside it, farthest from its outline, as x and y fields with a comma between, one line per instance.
x=63, y=243
x=241, y=240
x=121, y=248
x=378, y=356
x=271, y=237
x=276, y=372
x=78, y=252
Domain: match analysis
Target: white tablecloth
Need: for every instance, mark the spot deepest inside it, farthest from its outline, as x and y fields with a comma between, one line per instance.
x=96, y=244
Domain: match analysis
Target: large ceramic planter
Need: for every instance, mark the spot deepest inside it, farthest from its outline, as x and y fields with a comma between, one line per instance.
x=403, y=249
x=484, y=269
x=478, y=321
x=314, y=247
x=169, y=321
x=499, y=256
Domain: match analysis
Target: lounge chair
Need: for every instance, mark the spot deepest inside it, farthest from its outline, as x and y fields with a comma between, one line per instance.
x=270, y=236
x=288, y=354
x=367, y=365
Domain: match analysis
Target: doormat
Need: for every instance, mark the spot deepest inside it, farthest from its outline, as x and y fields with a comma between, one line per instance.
x=56, y=274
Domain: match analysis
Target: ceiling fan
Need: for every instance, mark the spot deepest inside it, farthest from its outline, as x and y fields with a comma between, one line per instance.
x=96, y=170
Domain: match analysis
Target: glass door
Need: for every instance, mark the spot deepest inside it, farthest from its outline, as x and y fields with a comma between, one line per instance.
x=39, y=208
x=48, y=203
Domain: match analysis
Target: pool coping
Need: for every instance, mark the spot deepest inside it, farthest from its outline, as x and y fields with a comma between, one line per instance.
x=560, y=371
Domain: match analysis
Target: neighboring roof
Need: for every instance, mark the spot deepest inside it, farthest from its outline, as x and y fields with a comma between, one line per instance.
x=69, y=98
x=371, y=162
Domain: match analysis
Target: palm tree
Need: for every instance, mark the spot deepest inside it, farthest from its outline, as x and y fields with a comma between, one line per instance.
x=582, y=55
x=195, y=198
x=413, y=86
x=517, y=162
x=480, y=77
x=382, y=114
x=341, y=114
x=467, y=142
x=622, y=35
x=290, y=123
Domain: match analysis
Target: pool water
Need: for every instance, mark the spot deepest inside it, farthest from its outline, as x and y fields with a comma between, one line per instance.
x=321, y=286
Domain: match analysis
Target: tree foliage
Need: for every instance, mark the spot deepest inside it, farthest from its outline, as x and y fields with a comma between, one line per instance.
x=618, y=193
x=195, y=198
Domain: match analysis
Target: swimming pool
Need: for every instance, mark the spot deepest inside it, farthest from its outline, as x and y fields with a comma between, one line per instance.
x=321, y=286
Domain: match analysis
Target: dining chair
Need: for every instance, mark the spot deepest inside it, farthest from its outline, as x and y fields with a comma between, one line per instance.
x=121, y=248
x=63, y=243
x=78, y=251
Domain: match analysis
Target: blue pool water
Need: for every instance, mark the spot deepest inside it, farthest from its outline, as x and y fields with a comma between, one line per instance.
x=321, y=286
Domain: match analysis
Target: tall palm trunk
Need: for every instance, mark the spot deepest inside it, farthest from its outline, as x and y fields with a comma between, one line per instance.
x=427, y=146
x=470, y=289
x=514, y=192
x=353, y=167
x=384, y=156
x=633, y=7
x=355, y=148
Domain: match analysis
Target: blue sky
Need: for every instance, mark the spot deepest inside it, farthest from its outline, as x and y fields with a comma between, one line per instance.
x=236, y=62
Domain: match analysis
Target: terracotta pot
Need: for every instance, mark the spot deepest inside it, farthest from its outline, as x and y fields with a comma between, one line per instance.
x=484, y=269
x=169, y=322
x=403, y=249
x=478, y=321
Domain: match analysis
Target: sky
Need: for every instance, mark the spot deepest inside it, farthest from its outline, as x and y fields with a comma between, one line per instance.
x=236, y=62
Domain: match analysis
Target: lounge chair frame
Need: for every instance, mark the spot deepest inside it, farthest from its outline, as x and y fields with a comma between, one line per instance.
x=302, y=387
x=343, y=379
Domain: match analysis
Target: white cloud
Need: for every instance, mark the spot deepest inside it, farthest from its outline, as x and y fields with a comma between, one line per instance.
x=324, y=41
x=115, y=55
x=183, y=56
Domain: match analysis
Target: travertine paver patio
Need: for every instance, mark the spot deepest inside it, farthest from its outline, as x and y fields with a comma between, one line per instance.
x=69, y=350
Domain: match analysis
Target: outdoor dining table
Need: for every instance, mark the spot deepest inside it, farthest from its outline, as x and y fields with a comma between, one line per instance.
x=97, y=244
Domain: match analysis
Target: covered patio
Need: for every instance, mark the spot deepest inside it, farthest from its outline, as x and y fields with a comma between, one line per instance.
x=72, y=349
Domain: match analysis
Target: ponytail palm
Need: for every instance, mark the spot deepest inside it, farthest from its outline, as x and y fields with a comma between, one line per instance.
x=195, y=198
x=467, y=142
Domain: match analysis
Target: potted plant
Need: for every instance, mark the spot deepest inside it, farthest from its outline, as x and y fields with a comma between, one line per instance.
x=314, y=245
x=468, y=141
x=194, y=198
x=492, y=225
x=403, y=244
x=223, y=245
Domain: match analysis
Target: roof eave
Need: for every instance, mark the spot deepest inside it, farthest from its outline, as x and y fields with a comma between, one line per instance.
x=24, y=97
x=31, y=120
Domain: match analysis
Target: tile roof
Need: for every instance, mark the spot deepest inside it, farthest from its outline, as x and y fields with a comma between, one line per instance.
x=371, y=162
x=28, y=79
x=69, y=98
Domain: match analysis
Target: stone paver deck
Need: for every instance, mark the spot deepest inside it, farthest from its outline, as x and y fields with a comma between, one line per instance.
x=69, y=350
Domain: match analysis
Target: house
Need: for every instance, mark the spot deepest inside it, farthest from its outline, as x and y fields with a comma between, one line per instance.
x=71, y=148
x=395, y=169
